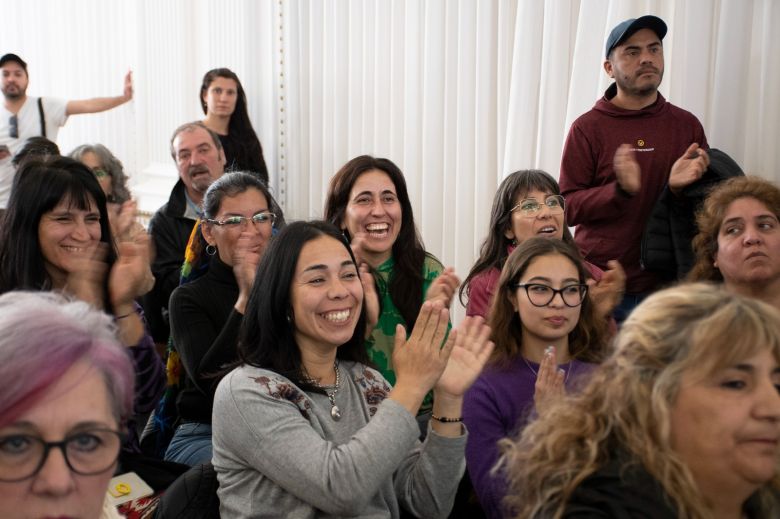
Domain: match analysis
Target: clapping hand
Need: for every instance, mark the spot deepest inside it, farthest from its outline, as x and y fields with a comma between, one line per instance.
x=607, y=293
x=549, y=382
x=246, y=258
x=689, y=168
x=443, y=287
x=471, y=348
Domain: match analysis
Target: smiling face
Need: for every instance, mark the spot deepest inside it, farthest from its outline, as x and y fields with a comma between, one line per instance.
x=726, y=428
x=544, y=224
x=220, y=97
x=637, y=64
x=199, y=161
x=748, y=244
x=76, y=402
x=374, y=212
x=68, y=236
x=326, y=295
x=556, y=320
x=225, y=237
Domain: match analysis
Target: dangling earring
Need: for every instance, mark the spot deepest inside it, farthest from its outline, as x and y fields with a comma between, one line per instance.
x=211, y=250
x=514, y=242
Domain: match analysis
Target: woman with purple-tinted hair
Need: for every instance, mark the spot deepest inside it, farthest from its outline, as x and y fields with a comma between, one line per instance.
x=66, y=395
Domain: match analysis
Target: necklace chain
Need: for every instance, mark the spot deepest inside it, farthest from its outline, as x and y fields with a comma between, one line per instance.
x=335, y=412
x=536, y=374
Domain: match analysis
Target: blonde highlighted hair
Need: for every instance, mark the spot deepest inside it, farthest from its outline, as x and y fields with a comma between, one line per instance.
x=694, y=329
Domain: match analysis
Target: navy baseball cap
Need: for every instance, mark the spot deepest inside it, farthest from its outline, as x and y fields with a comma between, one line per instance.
x=624, y=30
x=13, y=57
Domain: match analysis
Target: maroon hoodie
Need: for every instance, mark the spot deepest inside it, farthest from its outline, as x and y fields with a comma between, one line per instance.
x=609, y=221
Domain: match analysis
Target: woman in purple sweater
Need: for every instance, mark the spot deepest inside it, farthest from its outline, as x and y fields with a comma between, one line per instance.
x=547, y=336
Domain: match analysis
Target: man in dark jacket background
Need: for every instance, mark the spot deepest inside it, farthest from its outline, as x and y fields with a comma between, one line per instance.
x=200, y=160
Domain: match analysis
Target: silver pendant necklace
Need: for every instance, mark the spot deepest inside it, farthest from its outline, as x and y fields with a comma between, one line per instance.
x=335, y=412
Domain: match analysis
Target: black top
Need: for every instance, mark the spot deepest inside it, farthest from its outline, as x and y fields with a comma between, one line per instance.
x=204, y=326
x=170, y=230
x=622, y=491
x=244, y=155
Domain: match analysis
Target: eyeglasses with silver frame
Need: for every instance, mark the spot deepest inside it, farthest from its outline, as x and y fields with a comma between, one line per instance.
x=530, y=207
x=264, y=217
x=540, y=294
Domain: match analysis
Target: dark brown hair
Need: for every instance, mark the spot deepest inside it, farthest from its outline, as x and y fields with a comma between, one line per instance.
x=406, y=280
x=587, y=339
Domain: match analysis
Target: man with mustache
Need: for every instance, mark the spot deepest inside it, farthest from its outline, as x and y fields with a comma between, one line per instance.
x=619, y=156
x=23, y=116
x=200, y=159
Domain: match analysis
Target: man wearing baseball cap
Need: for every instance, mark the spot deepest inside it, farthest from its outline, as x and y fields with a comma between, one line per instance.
x=620, y=156
x=22, y=117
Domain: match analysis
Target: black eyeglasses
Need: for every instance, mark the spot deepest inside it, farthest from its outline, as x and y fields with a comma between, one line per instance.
x=87, y=453
x=542, y=295
x=13, y=127
x=242, y=221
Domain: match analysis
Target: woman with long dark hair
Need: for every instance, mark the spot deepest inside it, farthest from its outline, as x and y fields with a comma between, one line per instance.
x=224, y=102
x=304, y=428
x=528, y=203
x=548, y=339
x=367, y=199
x=56, y=236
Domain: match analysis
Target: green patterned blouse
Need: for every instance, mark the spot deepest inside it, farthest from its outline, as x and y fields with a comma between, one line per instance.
x=380, y=343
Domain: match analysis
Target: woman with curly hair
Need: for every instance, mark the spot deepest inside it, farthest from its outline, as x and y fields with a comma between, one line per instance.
x=739, y=238
x=224, y=102
x=682, y=420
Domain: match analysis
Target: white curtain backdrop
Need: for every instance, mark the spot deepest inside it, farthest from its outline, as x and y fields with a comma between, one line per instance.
x=459, y=93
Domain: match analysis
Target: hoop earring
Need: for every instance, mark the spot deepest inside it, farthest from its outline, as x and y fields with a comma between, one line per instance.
x=211, y=250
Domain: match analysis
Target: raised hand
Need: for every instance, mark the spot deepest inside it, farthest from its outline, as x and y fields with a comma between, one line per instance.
x=358, y=247
x=607, y=293
x=122, y=222
x=419, y=361
x=470, y=351
x=549, y=382
x=128, y=90
x=627, y=171
x=246, y=258
x=86, y=279
x=129, y=274
x=370, y=297
x=443, y=288
x=689, y=168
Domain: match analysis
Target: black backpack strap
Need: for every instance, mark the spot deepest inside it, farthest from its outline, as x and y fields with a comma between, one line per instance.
x=43, y=119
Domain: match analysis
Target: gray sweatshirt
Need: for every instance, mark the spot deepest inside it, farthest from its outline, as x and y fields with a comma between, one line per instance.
x=279, y=453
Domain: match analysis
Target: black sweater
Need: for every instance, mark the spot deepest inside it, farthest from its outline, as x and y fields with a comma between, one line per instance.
x=204, y=326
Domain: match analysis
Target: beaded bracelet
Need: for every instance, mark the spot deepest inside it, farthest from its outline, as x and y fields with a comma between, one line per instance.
x=444, y=419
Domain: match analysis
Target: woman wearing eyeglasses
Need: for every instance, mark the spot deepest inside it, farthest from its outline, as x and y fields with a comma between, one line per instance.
x=547, y=334
x=239, y=217
x=528, y=203
x=66, y=395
